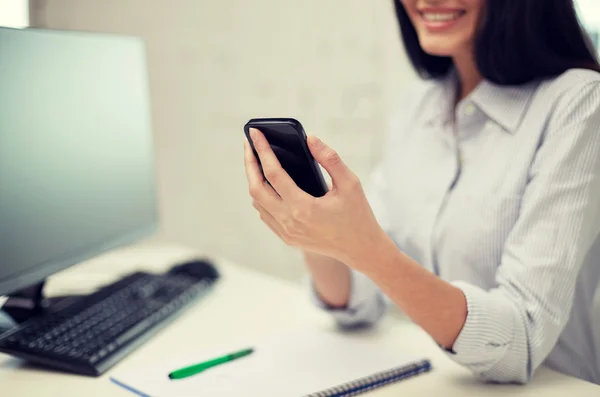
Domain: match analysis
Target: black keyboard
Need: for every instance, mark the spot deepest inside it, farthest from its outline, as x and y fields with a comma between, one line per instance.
x=95, y=332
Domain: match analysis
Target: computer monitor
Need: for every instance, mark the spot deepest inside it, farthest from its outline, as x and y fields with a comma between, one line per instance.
x=76, y=152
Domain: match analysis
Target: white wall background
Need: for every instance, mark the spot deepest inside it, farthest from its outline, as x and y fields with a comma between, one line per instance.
x=336, y=65
x=14, y=13
x=589, y=11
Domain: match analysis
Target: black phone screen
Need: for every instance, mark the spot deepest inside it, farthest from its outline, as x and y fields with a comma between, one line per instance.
x=289, y=146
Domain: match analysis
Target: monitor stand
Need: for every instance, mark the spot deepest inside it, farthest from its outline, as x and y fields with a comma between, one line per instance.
x=30, y=301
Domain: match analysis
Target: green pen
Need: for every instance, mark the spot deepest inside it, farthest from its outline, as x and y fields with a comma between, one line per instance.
x=197, y=368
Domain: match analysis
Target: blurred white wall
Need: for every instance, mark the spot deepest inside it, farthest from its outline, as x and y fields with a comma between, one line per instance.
x=589, y=10
x=336, y=65
x=14, y=13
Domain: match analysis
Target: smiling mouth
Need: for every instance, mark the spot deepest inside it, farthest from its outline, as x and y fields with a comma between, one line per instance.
x=440, y=19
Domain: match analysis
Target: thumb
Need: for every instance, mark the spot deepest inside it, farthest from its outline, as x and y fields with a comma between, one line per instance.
x=330, y=160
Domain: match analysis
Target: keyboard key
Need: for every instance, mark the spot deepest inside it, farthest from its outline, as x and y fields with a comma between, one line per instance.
x=73, y=353
x=61, y=349
x=102, y=353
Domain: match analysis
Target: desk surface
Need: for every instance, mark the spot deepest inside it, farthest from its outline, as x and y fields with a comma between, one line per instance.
x=259, y=305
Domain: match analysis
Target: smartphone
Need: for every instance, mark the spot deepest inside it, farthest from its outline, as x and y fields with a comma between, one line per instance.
x=287, y=138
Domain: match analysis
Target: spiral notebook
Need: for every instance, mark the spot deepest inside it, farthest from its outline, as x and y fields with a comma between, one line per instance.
x=300, y=364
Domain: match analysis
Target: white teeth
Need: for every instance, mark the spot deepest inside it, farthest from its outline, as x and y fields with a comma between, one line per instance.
x=441, y=17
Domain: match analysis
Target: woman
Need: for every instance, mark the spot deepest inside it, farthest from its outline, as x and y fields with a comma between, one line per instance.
x=481, y=222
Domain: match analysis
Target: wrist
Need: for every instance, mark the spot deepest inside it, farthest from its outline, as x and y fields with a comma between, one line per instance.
x=377, y=249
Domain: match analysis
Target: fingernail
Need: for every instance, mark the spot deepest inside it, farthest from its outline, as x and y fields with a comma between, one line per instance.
x=253, y=133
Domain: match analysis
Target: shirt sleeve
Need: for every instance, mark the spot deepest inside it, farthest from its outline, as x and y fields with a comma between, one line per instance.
x=366, y=306
x=511, y=329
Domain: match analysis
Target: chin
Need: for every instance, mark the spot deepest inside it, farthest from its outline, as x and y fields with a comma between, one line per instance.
x=439, y=49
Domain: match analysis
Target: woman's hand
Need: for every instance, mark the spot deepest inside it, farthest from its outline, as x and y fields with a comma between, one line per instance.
x=340, y=224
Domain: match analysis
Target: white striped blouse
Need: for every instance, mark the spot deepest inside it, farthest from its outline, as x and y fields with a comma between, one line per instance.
x=501, y=197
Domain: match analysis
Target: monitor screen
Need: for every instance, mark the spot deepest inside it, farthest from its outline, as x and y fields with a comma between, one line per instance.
x=76, y=155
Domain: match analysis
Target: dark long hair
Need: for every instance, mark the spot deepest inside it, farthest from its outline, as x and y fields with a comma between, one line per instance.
x=517, y=41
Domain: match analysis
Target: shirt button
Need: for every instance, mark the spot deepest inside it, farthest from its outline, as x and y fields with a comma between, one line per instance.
x=469, y=109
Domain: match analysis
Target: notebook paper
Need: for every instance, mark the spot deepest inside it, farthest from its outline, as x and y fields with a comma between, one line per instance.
x=298, y=364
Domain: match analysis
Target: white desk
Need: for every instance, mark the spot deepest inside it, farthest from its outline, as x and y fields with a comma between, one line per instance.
x=247, y=305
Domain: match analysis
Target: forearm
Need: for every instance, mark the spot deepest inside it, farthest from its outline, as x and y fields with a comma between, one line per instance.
x=331, y=279
x=436, y=305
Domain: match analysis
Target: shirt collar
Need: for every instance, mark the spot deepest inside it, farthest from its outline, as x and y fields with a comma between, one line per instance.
x=505, y=105
x=443, y=111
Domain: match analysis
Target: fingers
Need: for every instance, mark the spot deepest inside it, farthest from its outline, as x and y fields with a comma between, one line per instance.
x=259, y=189
x=341, y=175
x=270, y=221
x=274, y=173
x=253, y=173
